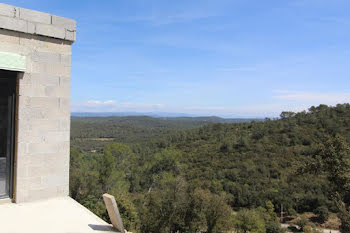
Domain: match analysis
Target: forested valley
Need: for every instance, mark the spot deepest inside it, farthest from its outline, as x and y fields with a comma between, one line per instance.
x=93, y=133
x=217, y=177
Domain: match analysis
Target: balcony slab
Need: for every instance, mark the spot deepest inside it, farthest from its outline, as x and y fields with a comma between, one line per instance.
x=58, y=215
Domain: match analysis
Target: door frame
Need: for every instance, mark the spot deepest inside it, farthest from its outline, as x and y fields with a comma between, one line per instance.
x=11, y=148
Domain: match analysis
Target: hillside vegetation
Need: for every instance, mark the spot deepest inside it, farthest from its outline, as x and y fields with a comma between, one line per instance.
x=93, y=133
x=221, y=177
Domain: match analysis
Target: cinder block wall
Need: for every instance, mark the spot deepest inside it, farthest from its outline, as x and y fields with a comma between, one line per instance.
x=42, y=169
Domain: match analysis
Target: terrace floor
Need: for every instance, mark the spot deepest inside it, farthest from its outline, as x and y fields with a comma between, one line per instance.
x=59, y=215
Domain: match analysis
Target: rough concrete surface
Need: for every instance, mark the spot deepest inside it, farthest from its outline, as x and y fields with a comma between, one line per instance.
x=113, y=212
x=42, y=168
x=35, y=22
x=58, y=215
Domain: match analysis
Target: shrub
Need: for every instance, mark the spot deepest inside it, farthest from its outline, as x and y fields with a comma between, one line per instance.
x=273, y=227
x=322, y=214
x=308, y=229
x=302, y=222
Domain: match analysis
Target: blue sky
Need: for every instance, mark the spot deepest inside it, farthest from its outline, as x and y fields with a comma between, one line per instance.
x=237, y=58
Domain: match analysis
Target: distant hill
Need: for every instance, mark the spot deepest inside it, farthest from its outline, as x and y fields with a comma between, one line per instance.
x=104, y=117
x=165, y=115
x=212, y=119
x=91, y=133
x=110, y=114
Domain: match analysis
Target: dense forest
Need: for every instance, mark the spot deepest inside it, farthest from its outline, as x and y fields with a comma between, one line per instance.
x=219, y=177
x=94, y=133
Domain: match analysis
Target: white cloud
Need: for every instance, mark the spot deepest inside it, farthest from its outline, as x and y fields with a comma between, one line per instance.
x=114, y=106
x=249, y=110
x=282, y=100
x=99, y=103
x=109, y=102
x=312, y=97
x=161, y=18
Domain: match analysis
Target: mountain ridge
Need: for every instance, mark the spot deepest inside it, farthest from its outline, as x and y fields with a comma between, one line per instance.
x=168, y=116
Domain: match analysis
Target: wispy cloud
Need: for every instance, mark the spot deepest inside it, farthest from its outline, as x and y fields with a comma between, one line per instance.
x=100, y=103
x=248, y=110
x=186, y=41
x=290, y=102
x=182, y=17
x=237, y=68
x=314, y=97
x=114, y=106
x=163, y=18
x=206, y=108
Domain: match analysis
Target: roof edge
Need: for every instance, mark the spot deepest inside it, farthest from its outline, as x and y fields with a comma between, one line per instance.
x=37, y=23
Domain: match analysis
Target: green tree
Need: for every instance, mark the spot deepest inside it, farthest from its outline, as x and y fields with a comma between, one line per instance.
x=106, y=167
x=216, y=213
x=335, y=161
x=121, y=153
x=164, y=208
x=285, y=115
x=84, y=176
x=128, y=211
x=249, y=221
x=271, y=221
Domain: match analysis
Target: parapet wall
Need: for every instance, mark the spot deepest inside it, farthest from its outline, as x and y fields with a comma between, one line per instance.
x=37, y=23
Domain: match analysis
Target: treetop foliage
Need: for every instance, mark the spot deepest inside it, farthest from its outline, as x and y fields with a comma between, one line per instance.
x=221, y=176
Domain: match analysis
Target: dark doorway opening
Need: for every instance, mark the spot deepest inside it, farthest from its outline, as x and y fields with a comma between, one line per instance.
x=8, y=81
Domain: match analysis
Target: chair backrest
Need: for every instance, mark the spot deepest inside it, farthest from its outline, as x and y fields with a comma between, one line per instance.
x=113, y=212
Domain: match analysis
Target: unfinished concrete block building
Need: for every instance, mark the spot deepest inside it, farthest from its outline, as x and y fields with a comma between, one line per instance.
x=35, y=67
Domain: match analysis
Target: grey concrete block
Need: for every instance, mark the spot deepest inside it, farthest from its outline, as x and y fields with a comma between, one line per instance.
x=54, y=180
x=63, y=22
x=51, y=69
x=45, y=44
x=13, y=24
x=44, y=102
x=50, y=31
x=113, y=212
x=30, y=27
x=34, y=127
x=66, y=59
x=64, y=103
x=34, y=16
x=31, y=91
x=70, y=35
x=42, y=148
x=39, y=68
x=7, y=10
x=64, y=124
x=65, y=82
x=14, y=18
x=57, y=91
x=46, y=57
x=11, y=37
x=44, y=79
x=56, y=137
x=17, y=12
